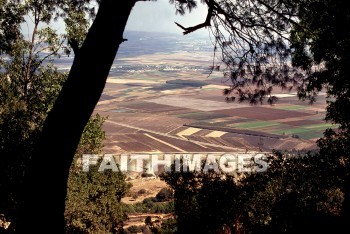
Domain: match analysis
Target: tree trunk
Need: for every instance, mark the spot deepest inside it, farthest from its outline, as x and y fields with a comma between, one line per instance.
x=46, y=179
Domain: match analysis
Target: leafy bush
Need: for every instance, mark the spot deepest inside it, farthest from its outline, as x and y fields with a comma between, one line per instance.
x=93, y=198
x=165, y=194
x=149, y=205
x=134, y=229
x=142, y=191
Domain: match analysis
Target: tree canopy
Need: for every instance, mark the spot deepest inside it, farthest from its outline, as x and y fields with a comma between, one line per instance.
x=295, y=194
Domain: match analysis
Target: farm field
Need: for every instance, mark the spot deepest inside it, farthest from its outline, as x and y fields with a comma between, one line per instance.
x=189, y=119
x=174, y=110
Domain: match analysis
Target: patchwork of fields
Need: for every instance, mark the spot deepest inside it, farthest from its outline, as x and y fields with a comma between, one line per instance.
x=189, y=121
x=183, y=110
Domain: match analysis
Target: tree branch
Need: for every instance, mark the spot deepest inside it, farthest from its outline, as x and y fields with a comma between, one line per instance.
x=199, y=26
x=278, y=13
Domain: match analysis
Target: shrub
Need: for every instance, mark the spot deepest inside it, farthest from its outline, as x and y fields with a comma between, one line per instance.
x=142, y=191
x=165, y=194
x=134, y=229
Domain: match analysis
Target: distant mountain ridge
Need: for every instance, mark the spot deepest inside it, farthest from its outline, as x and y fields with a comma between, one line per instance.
x=139, y=43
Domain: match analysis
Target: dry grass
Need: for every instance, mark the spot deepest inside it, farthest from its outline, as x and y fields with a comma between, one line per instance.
x=152, y=187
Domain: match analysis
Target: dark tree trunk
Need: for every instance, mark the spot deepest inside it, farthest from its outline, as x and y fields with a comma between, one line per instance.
x=46, y=179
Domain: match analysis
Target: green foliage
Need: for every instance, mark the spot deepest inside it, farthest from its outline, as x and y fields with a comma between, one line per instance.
x=164, y=194
x=168, y=226
x=199, y=207
x=150, y=205
x=11, y=15
x=134, y=229
x=76, y=27
x=93, y=204
x=323, y=40
x=294, y=192
x=289, y=198
x=91, y=141
x=93, y=198
x=321, y=46
x=137, y=229
x=157, y=225
x=24, y=106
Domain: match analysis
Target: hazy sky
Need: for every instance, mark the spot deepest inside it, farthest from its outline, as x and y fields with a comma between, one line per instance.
x=150, y=16
x=160, y=17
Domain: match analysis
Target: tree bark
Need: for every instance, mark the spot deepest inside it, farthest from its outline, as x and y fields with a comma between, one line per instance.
x=45, y=187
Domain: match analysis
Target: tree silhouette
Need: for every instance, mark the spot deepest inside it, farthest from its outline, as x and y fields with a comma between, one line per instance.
x=322, y=49
x=294, y=195
x=65, y=123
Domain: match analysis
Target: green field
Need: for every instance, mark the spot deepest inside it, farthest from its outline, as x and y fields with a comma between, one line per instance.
x=321, y=126
x=201, y=115
x=255, y=124
x=290, y=107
